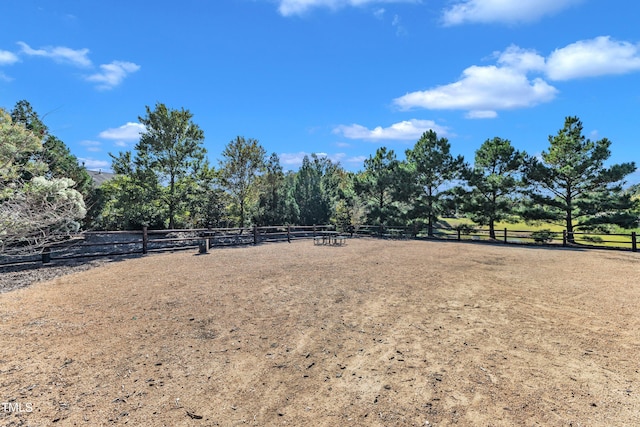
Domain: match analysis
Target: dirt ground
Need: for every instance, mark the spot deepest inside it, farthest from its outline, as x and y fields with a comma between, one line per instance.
x=373, y=333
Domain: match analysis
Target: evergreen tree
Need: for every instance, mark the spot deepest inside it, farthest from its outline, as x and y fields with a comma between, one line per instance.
x=379, y=185
x=571, y=186
x=276, y=202
x=433, y=169
x=494, y=180
x=54, y=152
x=311, y=198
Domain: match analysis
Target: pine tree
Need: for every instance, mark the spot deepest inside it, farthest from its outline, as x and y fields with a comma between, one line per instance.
x=571, y=186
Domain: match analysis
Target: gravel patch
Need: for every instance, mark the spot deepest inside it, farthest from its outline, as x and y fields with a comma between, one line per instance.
x=21, y=276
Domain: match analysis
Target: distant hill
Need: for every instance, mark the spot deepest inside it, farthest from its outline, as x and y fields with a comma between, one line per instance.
x=100, y=177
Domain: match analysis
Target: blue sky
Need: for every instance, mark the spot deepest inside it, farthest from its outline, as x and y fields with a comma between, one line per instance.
x=340, y=77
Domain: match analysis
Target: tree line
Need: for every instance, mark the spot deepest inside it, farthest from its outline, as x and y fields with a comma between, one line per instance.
x=167, y=181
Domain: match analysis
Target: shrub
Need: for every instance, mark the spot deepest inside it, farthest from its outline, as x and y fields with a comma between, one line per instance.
x=465, y=229
x=593, y=239
x=543, y=236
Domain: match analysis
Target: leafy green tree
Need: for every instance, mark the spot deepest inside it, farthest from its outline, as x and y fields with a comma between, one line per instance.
x=206, y=200
x=571, y=186
x=171, y=148
x=494, y=180
x=433, y=168
x=128, y=203
x=379, y=185
x=313, y=200
x=132, y=199
x=243, y=163
x=276, y=205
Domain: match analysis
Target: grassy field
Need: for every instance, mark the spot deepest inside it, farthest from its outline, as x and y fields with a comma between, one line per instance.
x=619, y=238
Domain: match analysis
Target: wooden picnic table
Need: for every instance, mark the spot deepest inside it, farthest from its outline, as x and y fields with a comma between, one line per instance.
x=328, y=237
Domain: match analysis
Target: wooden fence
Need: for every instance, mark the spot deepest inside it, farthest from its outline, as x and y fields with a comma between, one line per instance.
x=628, y=241
x=92, y=244
x=128, y=243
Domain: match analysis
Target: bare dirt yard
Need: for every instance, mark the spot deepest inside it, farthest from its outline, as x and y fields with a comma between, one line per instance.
x=373, y=333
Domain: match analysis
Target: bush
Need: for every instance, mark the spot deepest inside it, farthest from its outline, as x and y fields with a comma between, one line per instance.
x=593, y=239
x=543, y=236
x=465, y=229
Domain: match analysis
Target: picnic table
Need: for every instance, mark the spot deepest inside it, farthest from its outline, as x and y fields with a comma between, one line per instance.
x=329, y=238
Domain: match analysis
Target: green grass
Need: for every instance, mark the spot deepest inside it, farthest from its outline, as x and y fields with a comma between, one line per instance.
x=609, y=240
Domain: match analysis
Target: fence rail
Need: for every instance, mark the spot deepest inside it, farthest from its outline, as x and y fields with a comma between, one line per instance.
x=93, y=244
x=627, y=241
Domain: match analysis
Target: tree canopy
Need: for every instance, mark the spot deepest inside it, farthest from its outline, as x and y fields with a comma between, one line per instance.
x=493, y=180
x=433, y=169
x=156, y=181
x=243, y=161
x=166, y=181
x=570, y=184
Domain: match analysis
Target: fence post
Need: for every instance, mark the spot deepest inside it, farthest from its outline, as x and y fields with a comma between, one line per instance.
x=46, y=255
x=459, y=235
x=255, y=234
x=505, y=235
x=564, y=237
x=289, y=233
x=145, y=239
x=634, y=242
x=203, y=246
x=314, y=230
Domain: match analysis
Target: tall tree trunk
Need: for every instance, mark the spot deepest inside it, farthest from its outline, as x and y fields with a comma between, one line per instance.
x=430, y=214
x=242, y=213
x=492, y=231
x=569, y=217
x=172, y=201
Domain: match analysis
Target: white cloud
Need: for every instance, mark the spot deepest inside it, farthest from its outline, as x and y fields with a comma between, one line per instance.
x=358, y=160
x=594, y=57
x=520, y=59
x=111, y=75
x=4, y=77
x=59, y=54
x=402, y=131
x=485, y=89
x=95, y=164
x=299, y=7
x=379, y=13
x=128, y=132
x=504, y=11
x=343, y=158
x=480, y=114
x=92, y=146
x=290, y=159
x=8, y=58
x=400, y=29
